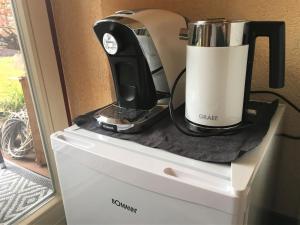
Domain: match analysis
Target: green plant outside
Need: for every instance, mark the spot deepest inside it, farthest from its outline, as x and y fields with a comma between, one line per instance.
x=11, y=94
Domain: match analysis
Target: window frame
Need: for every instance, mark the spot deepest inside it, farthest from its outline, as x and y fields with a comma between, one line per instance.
x=47, y=90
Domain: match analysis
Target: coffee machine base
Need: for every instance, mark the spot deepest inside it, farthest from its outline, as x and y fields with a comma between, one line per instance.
x=124, y=120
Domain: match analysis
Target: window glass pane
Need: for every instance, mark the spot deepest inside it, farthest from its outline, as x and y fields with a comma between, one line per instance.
x=25, y=181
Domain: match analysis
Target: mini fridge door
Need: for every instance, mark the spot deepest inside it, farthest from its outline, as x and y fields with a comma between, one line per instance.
x=104, y=184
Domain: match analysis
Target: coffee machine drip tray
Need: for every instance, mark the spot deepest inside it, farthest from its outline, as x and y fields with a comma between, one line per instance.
x=124, y=120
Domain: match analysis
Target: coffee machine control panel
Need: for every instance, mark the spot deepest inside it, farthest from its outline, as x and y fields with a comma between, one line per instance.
x=110, y=44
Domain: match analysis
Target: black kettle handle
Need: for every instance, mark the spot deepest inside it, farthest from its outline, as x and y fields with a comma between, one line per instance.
x=275, y=30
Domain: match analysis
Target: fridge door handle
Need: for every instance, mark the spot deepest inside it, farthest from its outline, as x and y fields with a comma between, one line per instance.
x=63, y=139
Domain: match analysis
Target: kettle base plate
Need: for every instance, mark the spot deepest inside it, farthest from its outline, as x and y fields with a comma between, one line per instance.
x=203, y=128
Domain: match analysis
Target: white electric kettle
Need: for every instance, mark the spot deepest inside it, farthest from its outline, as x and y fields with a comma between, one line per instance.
x=219, y=64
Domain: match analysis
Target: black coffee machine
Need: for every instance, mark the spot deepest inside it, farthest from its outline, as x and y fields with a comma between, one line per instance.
x=145, y=55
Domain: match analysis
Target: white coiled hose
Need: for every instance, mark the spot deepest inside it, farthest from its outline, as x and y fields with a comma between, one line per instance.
x=16, y=135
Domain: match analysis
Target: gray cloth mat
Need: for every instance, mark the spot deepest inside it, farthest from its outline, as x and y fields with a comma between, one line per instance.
x=220, y=149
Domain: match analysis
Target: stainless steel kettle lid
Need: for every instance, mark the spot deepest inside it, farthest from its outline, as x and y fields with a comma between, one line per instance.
x=217, y=32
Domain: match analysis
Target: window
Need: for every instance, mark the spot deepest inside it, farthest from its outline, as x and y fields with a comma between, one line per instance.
x=31, y=108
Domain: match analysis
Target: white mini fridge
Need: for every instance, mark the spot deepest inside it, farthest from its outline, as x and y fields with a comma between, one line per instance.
x=105, y=180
